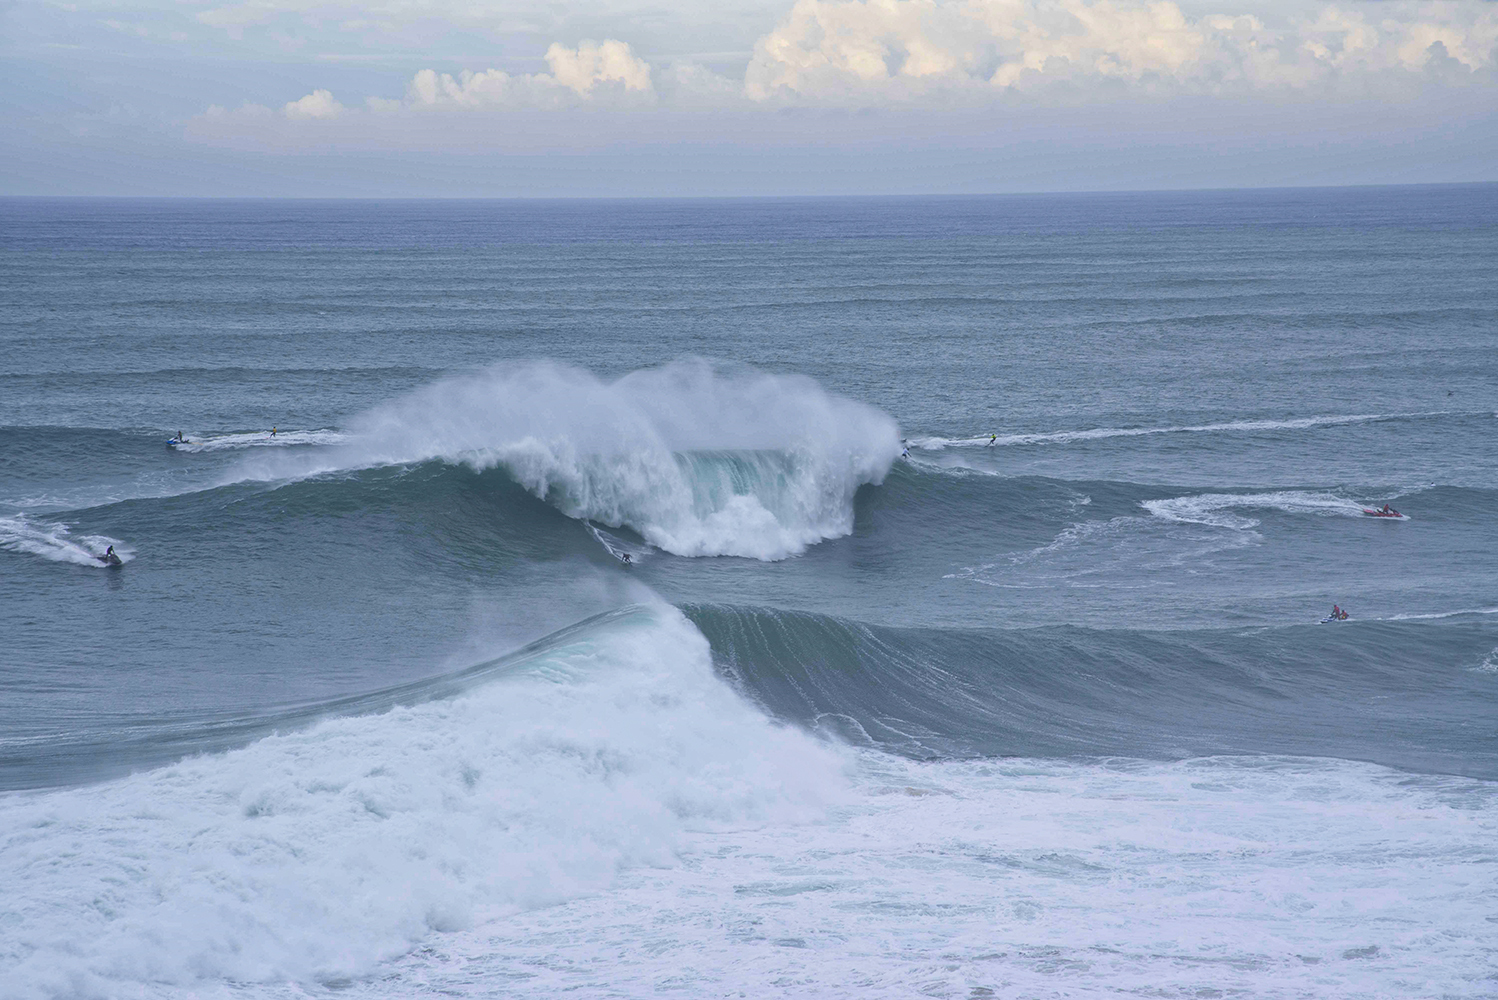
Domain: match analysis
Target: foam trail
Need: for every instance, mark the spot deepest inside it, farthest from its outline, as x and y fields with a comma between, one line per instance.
x=935, y=443
x=52, y=541
x=319, y=854
x=1443, y=614
x=257, y=439
x=1214, y=508
x=699, y=460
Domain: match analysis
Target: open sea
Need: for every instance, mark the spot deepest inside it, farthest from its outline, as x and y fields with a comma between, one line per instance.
x=750, y=598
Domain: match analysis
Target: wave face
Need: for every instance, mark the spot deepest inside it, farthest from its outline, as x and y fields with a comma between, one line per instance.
x=1406, y=694
x=316, y=854
x=699, y=461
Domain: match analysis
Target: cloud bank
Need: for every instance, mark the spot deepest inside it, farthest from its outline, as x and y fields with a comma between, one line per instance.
x=899, y=48
x=579, y=71
x=946, y=54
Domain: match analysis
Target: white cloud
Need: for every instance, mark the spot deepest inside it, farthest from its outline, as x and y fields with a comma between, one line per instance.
x=592, y=63
x=318, y=104
x=574, y=73
x=900, y=48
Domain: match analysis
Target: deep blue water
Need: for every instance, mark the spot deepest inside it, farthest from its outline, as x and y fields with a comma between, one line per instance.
x=782, y=412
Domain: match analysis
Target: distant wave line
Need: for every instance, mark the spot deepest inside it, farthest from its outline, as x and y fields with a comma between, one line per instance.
x=934, y=443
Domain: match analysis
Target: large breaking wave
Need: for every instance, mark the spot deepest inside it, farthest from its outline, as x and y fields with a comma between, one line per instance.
x=699, y=460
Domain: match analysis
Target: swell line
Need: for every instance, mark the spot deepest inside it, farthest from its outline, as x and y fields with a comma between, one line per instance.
x=937, y=443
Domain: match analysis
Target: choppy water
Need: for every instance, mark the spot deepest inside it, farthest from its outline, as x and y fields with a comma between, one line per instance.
x=1040, y=708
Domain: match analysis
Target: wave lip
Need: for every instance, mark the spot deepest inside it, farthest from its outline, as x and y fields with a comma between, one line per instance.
x=699, y=460
x=55, y=543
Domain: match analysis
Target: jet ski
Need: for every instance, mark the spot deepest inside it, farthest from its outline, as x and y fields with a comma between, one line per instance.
x=1331, y=618
x=1391, y=512
x=110, y=559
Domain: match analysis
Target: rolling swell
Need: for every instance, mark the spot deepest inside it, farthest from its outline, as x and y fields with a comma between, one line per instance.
x=1410, y=695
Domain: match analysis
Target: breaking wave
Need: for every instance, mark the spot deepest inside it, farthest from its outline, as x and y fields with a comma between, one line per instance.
x=698, y=460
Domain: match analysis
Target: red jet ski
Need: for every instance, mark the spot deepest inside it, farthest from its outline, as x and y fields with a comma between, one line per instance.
x=1386, y=511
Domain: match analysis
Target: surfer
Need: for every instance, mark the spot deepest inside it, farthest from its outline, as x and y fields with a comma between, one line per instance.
x=905, y=453
x=272, y=432
x=992, y=440
x=626, y=559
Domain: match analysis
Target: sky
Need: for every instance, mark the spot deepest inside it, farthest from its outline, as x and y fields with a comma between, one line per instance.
x=624, y=98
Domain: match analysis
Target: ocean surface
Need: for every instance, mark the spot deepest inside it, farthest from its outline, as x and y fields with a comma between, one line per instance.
x=968, y=643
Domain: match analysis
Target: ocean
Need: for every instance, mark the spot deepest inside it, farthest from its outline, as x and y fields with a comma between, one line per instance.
x=859, y=597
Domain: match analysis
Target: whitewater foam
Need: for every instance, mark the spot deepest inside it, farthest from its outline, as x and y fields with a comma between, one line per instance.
x=700, y=461
x=56, y=543
x=1272, y=877
x=318, y=854
x=1444, y=614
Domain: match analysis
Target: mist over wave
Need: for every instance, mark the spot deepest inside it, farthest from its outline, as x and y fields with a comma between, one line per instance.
x=699, y=460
